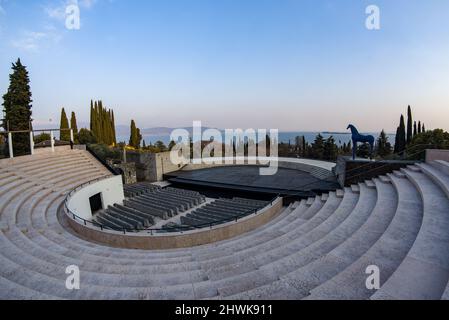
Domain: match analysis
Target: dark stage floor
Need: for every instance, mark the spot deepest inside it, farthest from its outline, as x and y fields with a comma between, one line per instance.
x=247, y=177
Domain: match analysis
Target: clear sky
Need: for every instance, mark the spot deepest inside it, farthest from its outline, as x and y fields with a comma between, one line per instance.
x=296, y=65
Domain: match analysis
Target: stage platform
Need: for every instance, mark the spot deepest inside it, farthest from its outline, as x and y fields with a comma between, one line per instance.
x=247, y=179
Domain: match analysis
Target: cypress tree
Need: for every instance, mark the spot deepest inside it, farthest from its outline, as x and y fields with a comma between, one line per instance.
x=396, y=141
x=100, y=121
x=383, y=146
x=64, y=125
x=133, y=137
x=92, y=120
x=103, y=123
x=415, y=129
x=402, y=136
x=108, y=127
x=17, y=108
x=423, y=128
x=111, y=128
x=139, y=138
x=330, y=149
x=114, y=137
x=318, y=147
x=419, y=127
x=73, y=124
x=409, y=125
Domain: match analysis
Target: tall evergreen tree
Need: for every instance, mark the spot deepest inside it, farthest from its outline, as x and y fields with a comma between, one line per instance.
x=133, y=140
x=318, y=147
x=415, y=129
x=423, y=128
x=419, y=127
x=92, y=114
x=93, y=120
x=139, y=138
x=73, y=123
x=64, y=126
x=171, y=145
x=17, y=108
x=103, y=123
x=402, y=139
x=383, y=146
x=114, y=137
x=409, y=125
x=396, y=141
x=330, y=150
x=304, y=146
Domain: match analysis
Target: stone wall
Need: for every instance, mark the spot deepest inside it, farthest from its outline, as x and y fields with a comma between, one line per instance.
x=351, y=172
x=111, y=190
x=178, y=240
x=432, y=155
x=128, y=171
x=151, y=166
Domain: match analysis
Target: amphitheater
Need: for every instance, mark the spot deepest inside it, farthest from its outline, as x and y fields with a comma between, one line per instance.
x=316, y=248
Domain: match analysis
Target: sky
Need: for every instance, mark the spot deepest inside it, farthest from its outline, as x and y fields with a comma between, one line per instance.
x=292, y=65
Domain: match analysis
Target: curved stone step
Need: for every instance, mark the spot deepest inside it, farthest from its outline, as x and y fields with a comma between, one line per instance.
x=56, y=287
x=446, y=293
x=57, y=271
x=424, y=272
x=13, y=291
x=387, y=252
x=441, y=165
x=319, y=247
x=441, y=179
x=272, y=252
x=313, y=209
x=290, y=268
x=288, y=263
x=228, y=257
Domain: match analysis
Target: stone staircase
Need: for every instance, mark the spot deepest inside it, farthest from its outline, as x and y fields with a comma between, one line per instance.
x=317, y=248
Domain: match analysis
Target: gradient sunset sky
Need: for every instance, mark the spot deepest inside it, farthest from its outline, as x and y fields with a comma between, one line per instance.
x=295, y=65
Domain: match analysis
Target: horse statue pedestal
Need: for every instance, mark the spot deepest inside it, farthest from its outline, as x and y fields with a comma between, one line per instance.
x=350, y=172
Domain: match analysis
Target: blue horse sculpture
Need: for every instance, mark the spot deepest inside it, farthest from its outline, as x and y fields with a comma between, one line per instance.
x=357, y=137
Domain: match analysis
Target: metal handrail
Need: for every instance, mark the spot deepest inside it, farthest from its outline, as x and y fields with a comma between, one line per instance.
x=368, y=164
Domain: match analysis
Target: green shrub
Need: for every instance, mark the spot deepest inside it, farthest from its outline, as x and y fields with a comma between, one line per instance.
x=436, y=139
x=86, y=137
x=42, y=137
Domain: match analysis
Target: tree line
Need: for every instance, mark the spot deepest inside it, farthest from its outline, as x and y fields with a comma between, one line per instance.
x=404, y=136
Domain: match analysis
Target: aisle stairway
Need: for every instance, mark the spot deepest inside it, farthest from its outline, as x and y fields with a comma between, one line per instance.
x=315, y=249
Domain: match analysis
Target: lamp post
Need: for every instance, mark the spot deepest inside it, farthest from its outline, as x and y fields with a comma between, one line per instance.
x=52, y=141
x=11, y=152
x=31, y=142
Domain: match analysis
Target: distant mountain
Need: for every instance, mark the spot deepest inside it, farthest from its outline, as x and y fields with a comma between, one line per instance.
x=157, y=131
x=335, y=132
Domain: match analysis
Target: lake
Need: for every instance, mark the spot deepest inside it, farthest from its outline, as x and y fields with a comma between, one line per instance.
x=285, y=137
